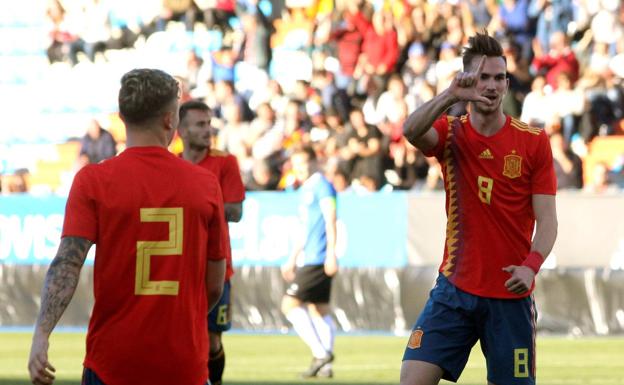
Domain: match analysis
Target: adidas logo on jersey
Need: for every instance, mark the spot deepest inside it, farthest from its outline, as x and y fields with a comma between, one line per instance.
x=486, y=154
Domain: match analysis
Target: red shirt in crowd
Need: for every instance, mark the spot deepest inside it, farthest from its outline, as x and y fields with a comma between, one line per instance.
x=349, y=40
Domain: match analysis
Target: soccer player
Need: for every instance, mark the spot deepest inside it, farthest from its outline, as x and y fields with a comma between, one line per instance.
x=500, y=184
x=160, y=260
x=196, y=133
x=313, y=263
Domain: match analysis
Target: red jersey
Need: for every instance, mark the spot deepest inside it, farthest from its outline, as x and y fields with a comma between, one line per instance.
x=489, y=183
x=156, y=220
x=225, y=167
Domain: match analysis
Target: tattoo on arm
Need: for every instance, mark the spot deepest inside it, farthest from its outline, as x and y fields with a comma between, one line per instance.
x=61, y=281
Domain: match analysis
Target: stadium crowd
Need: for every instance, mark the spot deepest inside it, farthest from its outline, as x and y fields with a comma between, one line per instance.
x=342, y=76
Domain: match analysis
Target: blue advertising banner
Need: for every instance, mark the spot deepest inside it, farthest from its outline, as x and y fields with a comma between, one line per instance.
x=30, y=228
x=372, y=229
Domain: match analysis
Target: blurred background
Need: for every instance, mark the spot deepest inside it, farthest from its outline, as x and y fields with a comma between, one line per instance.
x=341, y=76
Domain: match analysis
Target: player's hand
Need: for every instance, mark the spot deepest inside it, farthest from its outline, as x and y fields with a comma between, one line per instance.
x=521, y=279
x=288, y=272
x=330, y=267
x=464, y=85
x=41, y=371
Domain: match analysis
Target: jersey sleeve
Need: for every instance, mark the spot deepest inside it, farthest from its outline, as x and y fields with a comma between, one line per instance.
x=441, y=125
x=325, y=190
x=231, y=182
x=80, y=209
x=543, y=179
x=217, y=230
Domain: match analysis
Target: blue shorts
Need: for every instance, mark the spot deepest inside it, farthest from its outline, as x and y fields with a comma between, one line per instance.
x=90, y=378
x=219, y=319
x=453, y=321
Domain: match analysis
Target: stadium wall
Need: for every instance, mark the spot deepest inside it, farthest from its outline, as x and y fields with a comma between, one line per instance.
x=389, y=248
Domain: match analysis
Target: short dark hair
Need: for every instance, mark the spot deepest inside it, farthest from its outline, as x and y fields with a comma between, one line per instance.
x=479, y=45
x=306, y=150
x=192, y=105
x=145, y=94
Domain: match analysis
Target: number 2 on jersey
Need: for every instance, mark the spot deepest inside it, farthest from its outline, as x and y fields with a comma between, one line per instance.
x=145, y=249
x=485, y=189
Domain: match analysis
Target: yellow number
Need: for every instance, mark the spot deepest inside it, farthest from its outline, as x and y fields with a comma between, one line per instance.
x=521, y=363
x=145, y=249
x=485, y=189
x=222, y=316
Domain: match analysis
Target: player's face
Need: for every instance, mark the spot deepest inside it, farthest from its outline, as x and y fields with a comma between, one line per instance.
x=198, y=130
x=300, y=166
x=492, y=84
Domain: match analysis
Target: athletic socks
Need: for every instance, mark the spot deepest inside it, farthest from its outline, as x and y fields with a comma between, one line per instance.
x=304, y=327
x=326, y=330
x=216, y=366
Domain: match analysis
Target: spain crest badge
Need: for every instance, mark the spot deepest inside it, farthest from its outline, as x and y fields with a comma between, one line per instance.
x=513, y=166
x=415, y=338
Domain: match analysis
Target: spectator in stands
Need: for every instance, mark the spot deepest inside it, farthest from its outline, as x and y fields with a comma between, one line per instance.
x=537, y=108
x=58, y=32
x=600, y=180
x=348, y=34
x=514, y=22
x=263, y=177
x=93, y=31
x=18, y=182
x=97, y=144
x=380, y=53
x=183, y=11
x=337, y=149
x=552, y=16
x=255, y=47
x=519, y=78
x=235, y=136
x=226, y=94
x=365, y=143
x=217, y=13
x=478, y=13
x=266, y=138
x=410, y=167
x=606, y=107
x=559, y=58
x=568, y=165
x=569, y=104
x=389, y=107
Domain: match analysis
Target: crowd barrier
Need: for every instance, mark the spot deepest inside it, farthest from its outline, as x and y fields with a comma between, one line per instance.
x=389, y=246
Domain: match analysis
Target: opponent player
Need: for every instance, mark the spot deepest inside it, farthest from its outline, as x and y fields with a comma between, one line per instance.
x=499, y=183
x=160, y=261
x=313, y=264
x=196, y=133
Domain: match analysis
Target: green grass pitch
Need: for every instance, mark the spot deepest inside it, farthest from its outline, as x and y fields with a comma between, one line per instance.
x=372, y=359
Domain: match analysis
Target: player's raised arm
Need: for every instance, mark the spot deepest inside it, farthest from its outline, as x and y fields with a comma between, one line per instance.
x=60, y=284
x=417, y=127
